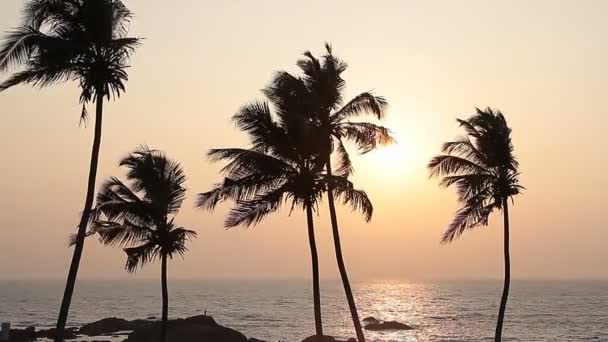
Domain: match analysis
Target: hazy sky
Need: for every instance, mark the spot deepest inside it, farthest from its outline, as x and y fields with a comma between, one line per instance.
x=543, y=63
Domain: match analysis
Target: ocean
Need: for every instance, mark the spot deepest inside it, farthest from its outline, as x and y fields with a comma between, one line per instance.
x=282, y=310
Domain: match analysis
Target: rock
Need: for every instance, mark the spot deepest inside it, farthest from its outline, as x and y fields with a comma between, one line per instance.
x=391, y=325
x=140, y=324
x=69, y=333
x=370, y=319
x=111, y=325
x=22, y=335
x=326, y=339
x=105, y=326
x=202, y=320
x=193, y=329
x=255, y=340
x=316, y=338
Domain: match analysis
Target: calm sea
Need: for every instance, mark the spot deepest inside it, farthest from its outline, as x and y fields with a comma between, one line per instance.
x=282, y=310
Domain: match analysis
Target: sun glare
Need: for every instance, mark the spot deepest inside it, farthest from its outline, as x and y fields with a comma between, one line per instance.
x=391, y=158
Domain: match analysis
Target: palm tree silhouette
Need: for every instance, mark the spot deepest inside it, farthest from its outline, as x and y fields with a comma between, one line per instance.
x=282, y=166
x=484, y=171
x=140, y=215
x=322, y=93
x=83, y=40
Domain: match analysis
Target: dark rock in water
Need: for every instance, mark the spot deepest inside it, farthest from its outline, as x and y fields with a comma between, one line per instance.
x=201, y=320
x=326, y=339
x=193, y=329
x=255, y=340
x=370, y=319
x=316, y=338
x=23, y=335
x=151, y=317
x=111, y=325
x=392, y=325
x=69, y=333
x=104, y=326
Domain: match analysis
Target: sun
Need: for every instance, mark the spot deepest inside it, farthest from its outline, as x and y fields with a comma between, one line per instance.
x=388, y=161
x=390, y=156
x=394, y=163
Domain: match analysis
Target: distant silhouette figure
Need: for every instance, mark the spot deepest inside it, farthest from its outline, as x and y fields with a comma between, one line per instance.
x=282, y=166
x=140, y=215
x=485, y=173
x=72, y=40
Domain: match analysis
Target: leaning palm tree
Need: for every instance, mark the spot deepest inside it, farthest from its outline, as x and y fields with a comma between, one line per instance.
x=140, y=215
x=484, y=171
x=281, y=167
x=81, y=40
x=323, y=97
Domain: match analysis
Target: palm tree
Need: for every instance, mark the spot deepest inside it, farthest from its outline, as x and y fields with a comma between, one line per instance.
x=280, y=167
x=140, y=215
x=82, y=40
x=484, y=171
x=323, y=97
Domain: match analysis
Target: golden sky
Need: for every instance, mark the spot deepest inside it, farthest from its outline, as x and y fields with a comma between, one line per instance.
x=543, y=63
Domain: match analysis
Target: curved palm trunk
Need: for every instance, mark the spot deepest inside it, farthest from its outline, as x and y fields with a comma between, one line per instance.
x=165, y=298
x=315, y=271
x=505, y=291
x=82, y=227
x=338, y=248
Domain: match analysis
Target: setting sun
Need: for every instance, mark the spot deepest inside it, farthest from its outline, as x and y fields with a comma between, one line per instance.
x=395, y=157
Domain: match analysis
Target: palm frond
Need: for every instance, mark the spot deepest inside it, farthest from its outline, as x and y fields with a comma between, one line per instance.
x=123, y=233
x=17, y=46
x=36, y=76
x=364, y=103
x=465, y=148
x=255, y=119
x=177, y=241
x=50, y=12
x=469, y=216
x=289, y=96
x=158, y=177
x=345, y=165
x=366, y=136
x=243, y=162
x=448, y=164
x=344, y=190
x=117, y=202
x=141, y=255
x=242, y=189
x=252, y=212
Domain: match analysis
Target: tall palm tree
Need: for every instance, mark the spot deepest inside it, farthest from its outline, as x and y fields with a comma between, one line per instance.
x=280, y=167
x=81, y=40
x=323, y=101
x=140, y=215
x=485, y=173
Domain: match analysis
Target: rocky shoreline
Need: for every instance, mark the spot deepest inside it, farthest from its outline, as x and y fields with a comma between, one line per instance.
x=201, y=328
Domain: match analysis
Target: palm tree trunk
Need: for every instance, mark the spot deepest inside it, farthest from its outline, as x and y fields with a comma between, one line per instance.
x=82, y=227
x=338, y=248
x=316, y=289
x=165, y=298
x=505, y=291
